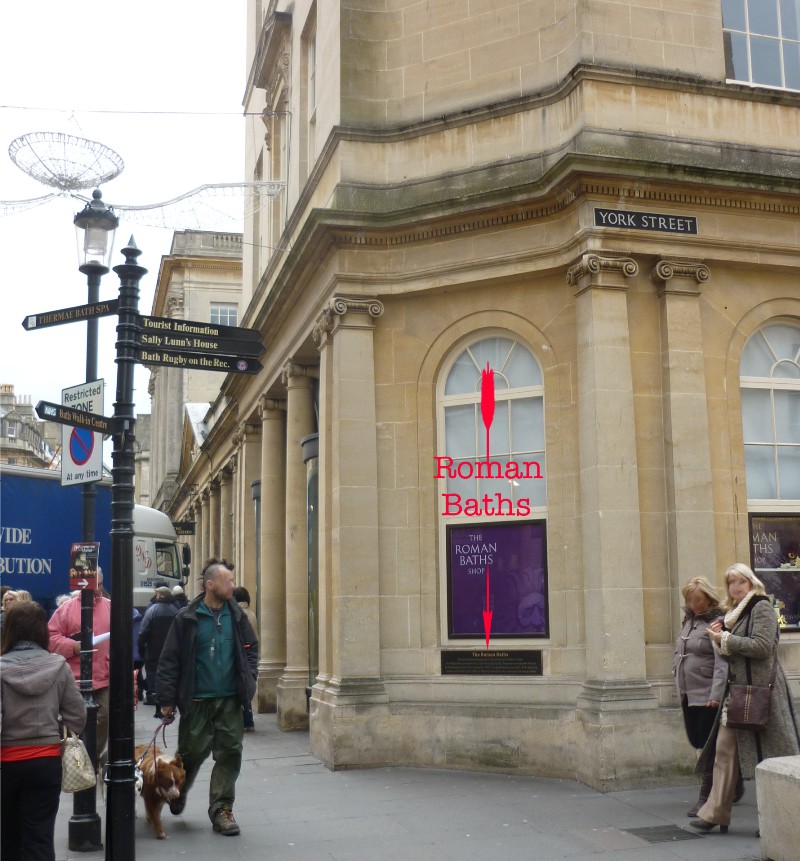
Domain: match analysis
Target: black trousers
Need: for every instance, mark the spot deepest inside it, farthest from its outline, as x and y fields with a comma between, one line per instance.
x=699, y=721
x=30, y=791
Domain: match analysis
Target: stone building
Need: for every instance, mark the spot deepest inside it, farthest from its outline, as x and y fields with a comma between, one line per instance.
x=24, y=440
x=576, y=223
x=200, y=279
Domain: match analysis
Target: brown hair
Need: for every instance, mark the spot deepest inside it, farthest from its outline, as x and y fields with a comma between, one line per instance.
x=701, y=585
x=25, y=620
x=209, y=566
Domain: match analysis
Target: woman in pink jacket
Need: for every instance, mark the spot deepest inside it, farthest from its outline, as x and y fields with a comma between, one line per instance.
x=65, y=639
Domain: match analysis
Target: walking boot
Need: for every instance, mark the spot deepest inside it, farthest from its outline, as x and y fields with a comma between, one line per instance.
x=738, y=793
x=705, y=790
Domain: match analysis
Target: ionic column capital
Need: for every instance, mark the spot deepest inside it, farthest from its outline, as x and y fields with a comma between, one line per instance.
x=607, y=269
x=351, y=311
x=297, y=373
x=680, y=274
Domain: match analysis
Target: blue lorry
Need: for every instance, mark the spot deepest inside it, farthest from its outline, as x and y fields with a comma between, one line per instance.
x=40, y=521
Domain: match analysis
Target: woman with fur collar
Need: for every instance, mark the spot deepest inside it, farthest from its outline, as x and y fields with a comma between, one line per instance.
x=749, y=631
x=700, y=671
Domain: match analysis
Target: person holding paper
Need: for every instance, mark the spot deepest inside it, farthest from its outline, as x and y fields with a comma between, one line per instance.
x=65, y=639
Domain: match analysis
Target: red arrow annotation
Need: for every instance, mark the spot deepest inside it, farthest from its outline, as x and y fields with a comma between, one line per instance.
x=487, y=613
x=487, y=402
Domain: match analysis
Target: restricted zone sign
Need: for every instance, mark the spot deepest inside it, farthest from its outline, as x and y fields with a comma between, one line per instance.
x=82, y=449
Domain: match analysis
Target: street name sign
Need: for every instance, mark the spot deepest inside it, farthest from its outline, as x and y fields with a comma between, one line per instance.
x=70, y=315
x=171, y=326
x=60, y=414
x=198, y=361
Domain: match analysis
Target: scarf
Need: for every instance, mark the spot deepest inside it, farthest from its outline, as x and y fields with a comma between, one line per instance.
x=732, y=616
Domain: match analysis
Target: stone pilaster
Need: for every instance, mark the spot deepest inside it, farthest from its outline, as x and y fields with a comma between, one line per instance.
x=687, y=449
x=272, y=586
x=612, y=552
x=349, y=687
x=248, y=470
x=226, y=510
x=213, y=517
x=292, y=711
x=204, y=532
x=616, y=690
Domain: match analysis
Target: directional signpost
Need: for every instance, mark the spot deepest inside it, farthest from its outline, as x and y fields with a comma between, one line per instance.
x=197, y=345
x=70, y=315
x=62, y=415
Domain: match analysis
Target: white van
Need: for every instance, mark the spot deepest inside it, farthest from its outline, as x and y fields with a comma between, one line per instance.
x=155, y=555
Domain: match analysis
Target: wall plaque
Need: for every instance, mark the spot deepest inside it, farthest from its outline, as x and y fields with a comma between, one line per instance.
x=492, y=662
x=625, y=219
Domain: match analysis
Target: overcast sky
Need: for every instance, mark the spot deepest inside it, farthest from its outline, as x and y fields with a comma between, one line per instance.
x=161, y=83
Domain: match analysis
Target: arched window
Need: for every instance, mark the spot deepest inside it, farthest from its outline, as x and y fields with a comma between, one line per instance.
x=770, y=388
x=517, y=429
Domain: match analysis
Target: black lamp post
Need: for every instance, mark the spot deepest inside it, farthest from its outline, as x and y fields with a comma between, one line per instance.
x=120, y=809
x=95, y=227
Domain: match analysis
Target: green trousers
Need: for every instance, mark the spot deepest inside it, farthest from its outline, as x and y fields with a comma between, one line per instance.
x=213, y=726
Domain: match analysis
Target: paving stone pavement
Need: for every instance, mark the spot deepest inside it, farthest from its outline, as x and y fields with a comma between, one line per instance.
x=292, y=808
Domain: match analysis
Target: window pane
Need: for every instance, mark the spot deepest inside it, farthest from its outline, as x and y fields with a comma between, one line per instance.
x=760, y=472
x=534, y=489
x=527, y=424
x=763, y=17
x=464, y=377
x=784, y=340
x=791, y=64
x=522, y=369
x=789, y=471
x=756, y=415
x=757, y=359
x=790, y=15
x=496, y=485
x=733, y=14
x=765, y=57
x=736, y=68
x=787, y=417
x=787, y=370
x=459, y=431
x=498, y=441
x=492, y=350
x=466, y=487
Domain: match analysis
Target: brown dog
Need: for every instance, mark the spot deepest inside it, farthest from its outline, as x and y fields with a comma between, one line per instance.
x=162, y=782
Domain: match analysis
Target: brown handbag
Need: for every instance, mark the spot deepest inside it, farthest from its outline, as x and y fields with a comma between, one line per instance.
x=748, y=705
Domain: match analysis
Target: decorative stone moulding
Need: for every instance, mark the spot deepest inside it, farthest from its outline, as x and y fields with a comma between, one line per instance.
x=594, y=264
x=668, y=268
x=338, y=308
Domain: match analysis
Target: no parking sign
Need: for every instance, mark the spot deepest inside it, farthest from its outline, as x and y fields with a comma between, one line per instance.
x=82, y=449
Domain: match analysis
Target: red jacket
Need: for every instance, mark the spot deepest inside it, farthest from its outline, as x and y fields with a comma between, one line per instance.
x=66, y=621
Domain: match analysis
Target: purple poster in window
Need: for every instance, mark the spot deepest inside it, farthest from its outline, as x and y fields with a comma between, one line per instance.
x=516, y=555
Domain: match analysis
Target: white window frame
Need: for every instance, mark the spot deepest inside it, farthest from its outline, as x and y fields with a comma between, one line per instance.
x=227, y=307
x=783, y=43
x=771, y=384
x=536, y=513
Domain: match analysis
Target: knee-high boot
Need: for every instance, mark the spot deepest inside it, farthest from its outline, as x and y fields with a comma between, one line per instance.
x=706, y=782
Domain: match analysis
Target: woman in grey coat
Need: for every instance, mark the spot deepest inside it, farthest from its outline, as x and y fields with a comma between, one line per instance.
x=700, y=671
x=750, y=631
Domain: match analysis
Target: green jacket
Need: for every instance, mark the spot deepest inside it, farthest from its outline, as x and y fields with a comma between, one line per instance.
x=177, y=683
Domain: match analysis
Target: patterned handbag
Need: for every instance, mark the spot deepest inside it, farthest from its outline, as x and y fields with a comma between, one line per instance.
x=77, y=771
x=748, y=705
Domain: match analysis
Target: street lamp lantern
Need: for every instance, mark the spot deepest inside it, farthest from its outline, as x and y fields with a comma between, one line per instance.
x=94, y=228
